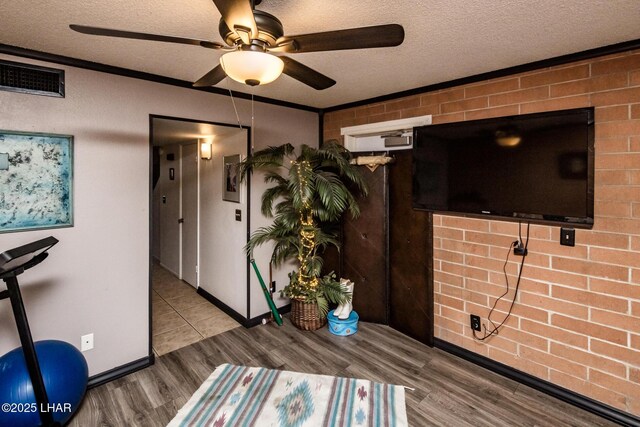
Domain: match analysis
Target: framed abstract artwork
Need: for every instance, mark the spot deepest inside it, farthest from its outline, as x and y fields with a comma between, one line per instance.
x=36, y=181
x=231, y=178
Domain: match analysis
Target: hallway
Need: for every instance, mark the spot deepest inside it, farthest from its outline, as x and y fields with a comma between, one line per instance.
x=181, y=316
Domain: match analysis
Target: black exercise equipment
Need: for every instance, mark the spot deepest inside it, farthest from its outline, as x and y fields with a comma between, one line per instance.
x=13, y=263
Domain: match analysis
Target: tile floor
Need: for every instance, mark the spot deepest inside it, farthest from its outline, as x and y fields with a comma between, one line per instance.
x=181, y=316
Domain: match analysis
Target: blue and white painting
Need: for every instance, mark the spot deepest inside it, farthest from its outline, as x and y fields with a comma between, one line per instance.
x=35, y=181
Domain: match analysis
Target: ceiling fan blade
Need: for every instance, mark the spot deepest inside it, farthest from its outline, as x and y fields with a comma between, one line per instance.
x=353, y=38
x=213, y=77
x=288, y=46
x=97, y=31
x=238, y=16
x=306, y=75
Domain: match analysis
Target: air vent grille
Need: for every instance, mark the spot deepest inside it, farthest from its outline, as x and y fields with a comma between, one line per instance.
x=26, y=78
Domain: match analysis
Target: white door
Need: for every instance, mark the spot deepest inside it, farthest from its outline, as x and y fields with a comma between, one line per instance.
x=189, y=220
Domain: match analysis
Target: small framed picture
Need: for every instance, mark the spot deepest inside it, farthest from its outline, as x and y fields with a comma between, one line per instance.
x=231, y=178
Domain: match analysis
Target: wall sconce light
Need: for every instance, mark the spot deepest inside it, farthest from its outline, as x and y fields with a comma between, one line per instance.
x=205, y=151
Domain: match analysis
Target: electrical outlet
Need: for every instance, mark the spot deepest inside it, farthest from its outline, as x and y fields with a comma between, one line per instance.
x=273, y=287
x=475, y=322
x=86, y=342
x=519, y=249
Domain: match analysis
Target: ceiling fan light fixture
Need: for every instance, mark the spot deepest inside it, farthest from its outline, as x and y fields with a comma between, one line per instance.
x=251, y=67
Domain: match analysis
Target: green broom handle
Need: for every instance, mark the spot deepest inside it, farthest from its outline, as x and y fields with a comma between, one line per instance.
x=267, y=294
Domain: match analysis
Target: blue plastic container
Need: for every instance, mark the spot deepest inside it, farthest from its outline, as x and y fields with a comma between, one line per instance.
x=343, y=328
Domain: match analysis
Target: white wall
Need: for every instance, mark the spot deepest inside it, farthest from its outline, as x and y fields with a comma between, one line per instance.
x=295, y=129
x=96, y=279
x=222, y=260
x=223, y=264
x=168, y=213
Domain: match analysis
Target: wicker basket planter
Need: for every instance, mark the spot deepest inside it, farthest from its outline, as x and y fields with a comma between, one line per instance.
x=306, y=315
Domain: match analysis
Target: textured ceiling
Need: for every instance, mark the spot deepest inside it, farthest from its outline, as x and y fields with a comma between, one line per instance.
x=445, y=39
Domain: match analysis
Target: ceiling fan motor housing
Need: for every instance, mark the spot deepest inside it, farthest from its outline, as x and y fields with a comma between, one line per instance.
x=269, y=29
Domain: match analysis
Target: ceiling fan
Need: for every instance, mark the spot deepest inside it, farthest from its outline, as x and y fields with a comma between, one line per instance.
x=252, y=38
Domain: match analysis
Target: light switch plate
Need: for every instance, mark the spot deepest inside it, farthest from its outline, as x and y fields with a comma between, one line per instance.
x=567, y=236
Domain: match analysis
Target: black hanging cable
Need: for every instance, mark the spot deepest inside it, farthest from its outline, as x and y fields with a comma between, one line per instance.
x=494, y=331
x=520, y=231
x=506, y=278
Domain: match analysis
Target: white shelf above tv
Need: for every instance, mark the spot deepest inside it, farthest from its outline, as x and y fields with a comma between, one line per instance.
x=370, y=137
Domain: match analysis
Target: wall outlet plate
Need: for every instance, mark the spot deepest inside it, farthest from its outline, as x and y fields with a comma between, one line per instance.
x=475, y=322
x=520, y=250
x=86, y=342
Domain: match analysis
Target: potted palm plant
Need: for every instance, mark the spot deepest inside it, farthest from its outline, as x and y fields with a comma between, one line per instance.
x=310, y=192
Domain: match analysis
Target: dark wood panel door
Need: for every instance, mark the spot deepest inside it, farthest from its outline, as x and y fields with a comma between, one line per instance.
x=331, y=259
x=364, y=250
x=410, y=257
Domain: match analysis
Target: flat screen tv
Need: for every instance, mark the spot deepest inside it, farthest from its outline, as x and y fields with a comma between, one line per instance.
x=533, y=167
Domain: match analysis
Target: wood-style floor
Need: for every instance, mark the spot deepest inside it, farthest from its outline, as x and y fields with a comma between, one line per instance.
x=448, y=391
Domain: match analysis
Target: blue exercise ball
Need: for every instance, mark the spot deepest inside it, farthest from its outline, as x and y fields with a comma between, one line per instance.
x=65, y=373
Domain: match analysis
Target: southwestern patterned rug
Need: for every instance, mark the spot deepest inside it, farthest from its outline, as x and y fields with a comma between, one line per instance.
x=244, y=396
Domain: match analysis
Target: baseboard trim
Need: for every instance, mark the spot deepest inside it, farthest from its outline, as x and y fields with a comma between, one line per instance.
x=120, y=371
x=169, y=270
x=247, y=323
x=222, y=306
x=258, y=319
x=583, y=402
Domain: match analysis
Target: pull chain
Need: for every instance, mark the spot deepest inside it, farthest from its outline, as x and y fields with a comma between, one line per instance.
x=253, y=129
x=233, y=101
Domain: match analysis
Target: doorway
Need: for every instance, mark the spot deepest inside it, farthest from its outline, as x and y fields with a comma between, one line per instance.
x=183, y=209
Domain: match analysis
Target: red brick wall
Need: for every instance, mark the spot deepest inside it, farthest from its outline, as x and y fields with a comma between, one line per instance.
x=576, y=322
